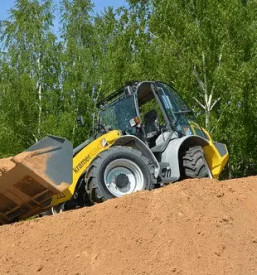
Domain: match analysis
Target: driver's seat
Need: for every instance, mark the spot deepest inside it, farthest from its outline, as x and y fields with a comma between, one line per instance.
x=151, y=127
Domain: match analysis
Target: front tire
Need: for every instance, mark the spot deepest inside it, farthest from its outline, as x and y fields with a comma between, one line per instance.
x=194, y=165
x=118, y=171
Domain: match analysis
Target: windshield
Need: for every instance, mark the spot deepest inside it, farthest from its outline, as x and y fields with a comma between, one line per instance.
x=170, y=99
x=119, y=113
x=179, y=114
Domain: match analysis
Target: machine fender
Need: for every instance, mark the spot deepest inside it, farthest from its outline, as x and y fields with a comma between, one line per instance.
x=136, y=143
x=171, y=154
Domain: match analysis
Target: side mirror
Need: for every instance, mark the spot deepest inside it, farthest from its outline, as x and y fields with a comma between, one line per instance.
x=80, y=121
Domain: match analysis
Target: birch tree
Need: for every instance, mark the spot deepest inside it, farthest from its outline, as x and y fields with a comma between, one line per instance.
x=206, y=93
x=31, y=52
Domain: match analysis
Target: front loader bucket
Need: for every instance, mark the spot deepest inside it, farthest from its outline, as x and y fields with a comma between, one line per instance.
x=43, y=170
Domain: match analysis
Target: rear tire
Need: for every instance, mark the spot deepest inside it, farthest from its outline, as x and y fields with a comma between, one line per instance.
x=118, y=171
x=194, y=164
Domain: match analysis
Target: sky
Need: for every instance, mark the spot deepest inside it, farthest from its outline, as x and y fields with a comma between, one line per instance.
x=5, y=6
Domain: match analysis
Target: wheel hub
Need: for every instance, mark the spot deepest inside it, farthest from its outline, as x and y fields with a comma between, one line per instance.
x=122, y=177
x=122, y=180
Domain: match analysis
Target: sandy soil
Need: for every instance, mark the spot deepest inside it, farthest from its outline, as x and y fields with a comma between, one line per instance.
x=193, y=227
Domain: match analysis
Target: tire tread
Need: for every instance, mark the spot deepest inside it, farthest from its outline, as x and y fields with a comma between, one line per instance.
x=194, y=164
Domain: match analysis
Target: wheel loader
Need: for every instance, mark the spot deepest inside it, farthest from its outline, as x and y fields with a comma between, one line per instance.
x=147, y=137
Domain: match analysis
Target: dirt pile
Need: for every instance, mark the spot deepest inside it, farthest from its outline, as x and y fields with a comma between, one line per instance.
x=193, y=227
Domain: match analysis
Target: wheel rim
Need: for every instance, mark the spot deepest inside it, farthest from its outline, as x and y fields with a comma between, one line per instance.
x=57, y=209
x=131, y=173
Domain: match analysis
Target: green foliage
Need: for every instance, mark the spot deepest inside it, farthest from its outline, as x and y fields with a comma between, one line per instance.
x=29, y=72
x=206, y=49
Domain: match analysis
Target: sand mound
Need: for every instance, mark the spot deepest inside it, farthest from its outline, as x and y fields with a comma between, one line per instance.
x=193, y=227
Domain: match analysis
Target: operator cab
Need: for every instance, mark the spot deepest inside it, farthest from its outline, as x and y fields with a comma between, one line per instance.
x=150, y=110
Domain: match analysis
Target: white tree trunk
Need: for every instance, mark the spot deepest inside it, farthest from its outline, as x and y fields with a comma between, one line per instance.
x=207, y=95
x=39, y=110
x=39, y=103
